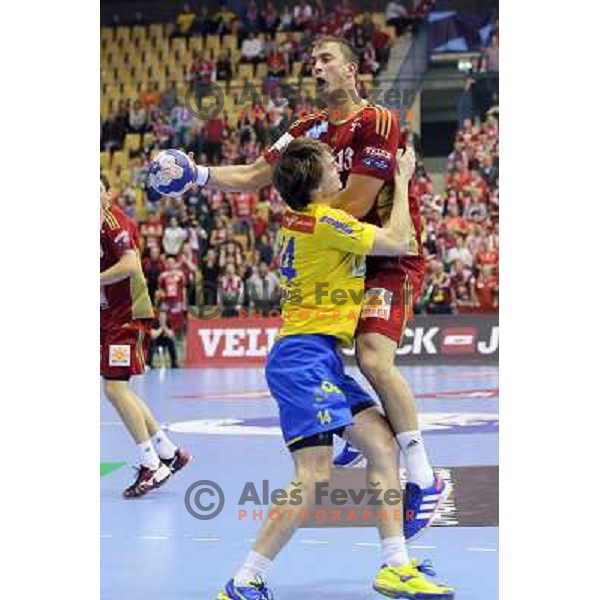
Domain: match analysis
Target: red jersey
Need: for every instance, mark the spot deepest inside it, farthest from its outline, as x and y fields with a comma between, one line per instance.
x=126, y=300
x=131, y=225
x=243, y=204
x=152, y=231
x=172, y=283
x=365, y=144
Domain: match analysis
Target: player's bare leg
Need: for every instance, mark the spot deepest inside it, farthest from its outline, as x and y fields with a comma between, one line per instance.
x=425, y=491
x=375, y=354
x=152, y=472
x=372, y=435
x=175, y=458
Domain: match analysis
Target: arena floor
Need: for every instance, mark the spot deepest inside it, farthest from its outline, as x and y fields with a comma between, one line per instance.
x=154, y=548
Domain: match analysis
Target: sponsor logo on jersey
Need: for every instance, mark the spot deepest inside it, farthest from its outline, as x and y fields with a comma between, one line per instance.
x=301, y=223
x=318, y=130
x=347, y=229
x=381, y=164
x=379, y=152
x=378, y=304
x=119, y=355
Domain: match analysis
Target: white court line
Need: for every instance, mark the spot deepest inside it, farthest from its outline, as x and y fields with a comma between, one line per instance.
x=481, y=550
x=153, y=537
x=106, y=535
x=250, y=540
x=206, y=539
x=110, y=423
x=314, y=542
x=367, y=544
x=422, y=547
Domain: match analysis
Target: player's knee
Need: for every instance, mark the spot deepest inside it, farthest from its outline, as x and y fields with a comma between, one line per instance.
x=113, y=390
x=372, y=365
x=383, y=451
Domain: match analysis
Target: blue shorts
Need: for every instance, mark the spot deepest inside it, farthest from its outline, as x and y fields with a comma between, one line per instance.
x=306, y=377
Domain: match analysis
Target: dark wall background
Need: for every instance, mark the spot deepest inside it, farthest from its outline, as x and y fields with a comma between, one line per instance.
x=158, y=11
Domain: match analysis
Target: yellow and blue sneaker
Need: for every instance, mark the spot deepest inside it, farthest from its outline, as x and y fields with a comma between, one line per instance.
x=409, y=582
x=256, y=590
x=421, y=504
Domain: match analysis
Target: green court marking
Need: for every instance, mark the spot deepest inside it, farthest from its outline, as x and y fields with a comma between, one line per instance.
x=108, y=467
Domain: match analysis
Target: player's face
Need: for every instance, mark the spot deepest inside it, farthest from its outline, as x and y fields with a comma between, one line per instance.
x=330, y=69
x=331, y=183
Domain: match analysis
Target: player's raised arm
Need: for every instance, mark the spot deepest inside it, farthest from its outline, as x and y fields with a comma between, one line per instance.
x=394, y=238
x=235, y=178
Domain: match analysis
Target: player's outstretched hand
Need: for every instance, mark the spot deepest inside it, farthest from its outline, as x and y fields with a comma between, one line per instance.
x=406, y=162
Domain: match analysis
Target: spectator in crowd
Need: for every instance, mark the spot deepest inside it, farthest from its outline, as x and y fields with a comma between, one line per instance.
x=218, y=233
x=271, y=19
x=153, y=265
x=397, y=16
x=189, y=266
x=214, y=134
x=224, y=69
x=224, y=20
x=150, y=98
x=303, y=15
x=230, y=253
x=173, y=238
x=263, y=289
x=286, y=20
x=137, y=118
x=466, y=102
x=169, y=99
x=210, y=278
x=152, y=230
x=460, y=253
x=231, y=290
x=265, y=249
x=252, y=51
x=162, y=336
x=437, y=290
x=204, y=25
x=185, y=21
x=171, y=295
x=462, y=291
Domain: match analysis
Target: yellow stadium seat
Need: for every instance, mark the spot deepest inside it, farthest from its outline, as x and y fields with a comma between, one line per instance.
x=229, y=41
x=139, y=32
x=148, y=139
x=296, y=68
x=104, y=161
x=245, y=71
x=178, y=44
x=119, y=159
x=132, y=142
x=157, y=30
x=197, y=43
x=123, y=33
x=379, y=18
x=107, y=34
x=280, y=37
x=213, y=41
x=261, y=70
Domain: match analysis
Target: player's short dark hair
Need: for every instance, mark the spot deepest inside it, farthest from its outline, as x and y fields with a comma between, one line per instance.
x=348, y=50
x=299, y=171
x=105, y=182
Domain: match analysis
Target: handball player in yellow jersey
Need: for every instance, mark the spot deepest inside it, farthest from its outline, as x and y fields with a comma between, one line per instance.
x=322, y=254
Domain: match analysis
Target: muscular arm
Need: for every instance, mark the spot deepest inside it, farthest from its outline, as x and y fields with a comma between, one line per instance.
x=240, y=178
x=359, y=195
x=394, y=238
x=127, y=266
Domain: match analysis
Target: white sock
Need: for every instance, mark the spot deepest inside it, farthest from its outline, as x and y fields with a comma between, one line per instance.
x=148, y=456
x=164, y=446
x=418, y=468
x=255, y=565
x=395, y=552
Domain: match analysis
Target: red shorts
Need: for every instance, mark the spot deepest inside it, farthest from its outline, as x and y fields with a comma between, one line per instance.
x=123, y=350
x=389, y=298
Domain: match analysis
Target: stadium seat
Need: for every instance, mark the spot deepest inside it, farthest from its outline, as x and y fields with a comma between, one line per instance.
x=229, y=42
x=156, y=31
x=123, y=33
x=139, y=32
x=213, y=42
x=245, y=71
x=196, y=43
x=391, y=31
x=132, y=142
x=107, y=34
x=119, y=159
x=179, y=44
x=104, y=161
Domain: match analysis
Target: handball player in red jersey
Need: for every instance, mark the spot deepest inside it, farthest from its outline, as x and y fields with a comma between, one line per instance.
x=125, y=316
x=364, y=138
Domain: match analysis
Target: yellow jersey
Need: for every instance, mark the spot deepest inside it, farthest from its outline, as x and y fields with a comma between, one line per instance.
x=321, y=257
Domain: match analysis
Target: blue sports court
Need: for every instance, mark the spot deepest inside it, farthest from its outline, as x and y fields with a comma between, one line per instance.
x=152, y=547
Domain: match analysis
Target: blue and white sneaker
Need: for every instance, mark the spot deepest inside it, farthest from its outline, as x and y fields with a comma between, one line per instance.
x=420, y=505
x=256, y=590
x=348, y=456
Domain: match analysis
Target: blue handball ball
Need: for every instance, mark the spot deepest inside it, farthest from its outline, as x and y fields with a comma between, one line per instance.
x=171, y=173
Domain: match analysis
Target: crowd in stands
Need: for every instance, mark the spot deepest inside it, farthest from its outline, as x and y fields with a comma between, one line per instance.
x=209, y=248
x=461, y=227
